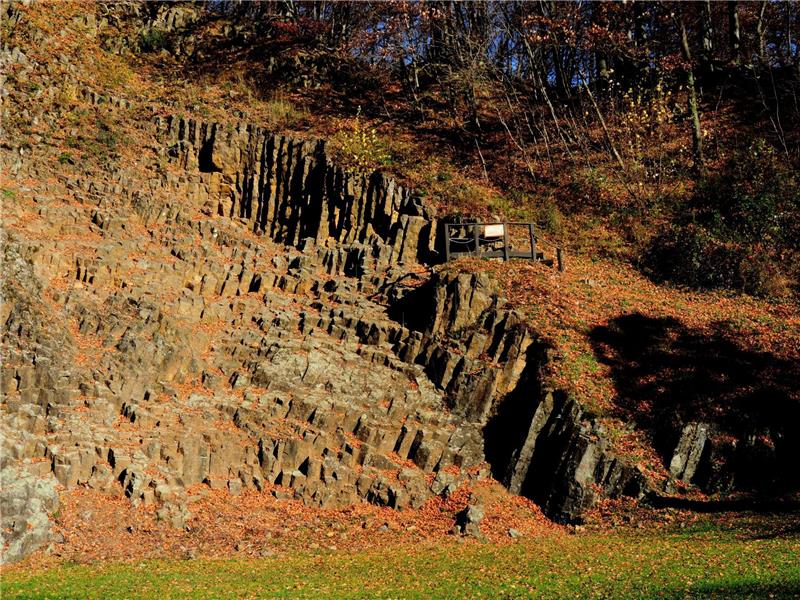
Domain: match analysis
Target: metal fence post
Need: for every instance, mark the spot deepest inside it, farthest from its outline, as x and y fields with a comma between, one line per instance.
x=533, y=241
x=447, y=242
x=505, y=242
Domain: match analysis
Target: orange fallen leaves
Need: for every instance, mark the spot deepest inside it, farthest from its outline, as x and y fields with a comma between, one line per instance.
x=102, y=527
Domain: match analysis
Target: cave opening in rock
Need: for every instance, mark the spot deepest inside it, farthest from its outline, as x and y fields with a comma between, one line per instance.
x=205, y=158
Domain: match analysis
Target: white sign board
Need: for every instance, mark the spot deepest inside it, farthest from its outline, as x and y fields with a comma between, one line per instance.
x=493, y=231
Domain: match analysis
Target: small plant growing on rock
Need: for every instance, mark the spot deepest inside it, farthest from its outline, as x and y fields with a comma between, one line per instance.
x=359, y=147
x=67, y=94
x=153, y=40
x=281, y=112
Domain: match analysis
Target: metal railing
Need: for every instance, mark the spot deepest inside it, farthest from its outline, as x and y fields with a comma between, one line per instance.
x=482, y=239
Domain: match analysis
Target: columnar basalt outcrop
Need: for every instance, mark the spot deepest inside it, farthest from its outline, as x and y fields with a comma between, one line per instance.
x=256, y=318
x=538, y=442
x=152, y=345
x=287, y=189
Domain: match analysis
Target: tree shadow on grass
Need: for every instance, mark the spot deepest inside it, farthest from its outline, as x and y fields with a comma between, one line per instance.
x=667, y=375
x=746, y=588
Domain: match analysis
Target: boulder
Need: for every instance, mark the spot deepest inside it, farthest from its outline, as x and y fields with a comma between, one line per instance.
x=26, y=503
x=468, y=520
x=688, y=451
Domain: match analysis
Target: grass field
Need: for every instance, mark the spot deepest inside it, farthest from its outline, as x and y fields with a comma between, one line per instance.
x=632, y=564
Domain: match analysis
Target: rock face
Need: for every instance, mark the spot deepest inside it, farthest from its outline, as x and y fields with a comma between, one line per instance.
x=26, y=502
x=756, y=458
x=126, y=26
x=468, y=521
x=153, y=345
x=253, y=317
x=287, y=189
x=246, y=315
x=538, y=441
x=564, y=462
x=688, y=452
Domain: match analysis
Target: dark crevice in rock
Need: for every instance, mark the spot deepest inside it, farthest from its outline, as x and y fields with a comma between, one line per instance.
x=538, y=442
x=205, y=164
x=507, y=430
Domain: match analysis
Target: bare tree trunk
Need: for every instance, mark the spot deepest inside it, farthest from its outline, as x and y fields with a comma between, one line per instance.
x=483, y=161
x=792, y=43
x=561, y=84
x=603, y=74
x=760, y=33
x=734, y=32
x=542, y=88
x=697, y=132
x=600, y=118
x=708, y=37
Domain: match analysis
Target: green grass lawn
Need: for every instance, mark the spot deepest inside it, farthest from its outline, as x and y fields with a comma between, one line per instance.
x=697, y=564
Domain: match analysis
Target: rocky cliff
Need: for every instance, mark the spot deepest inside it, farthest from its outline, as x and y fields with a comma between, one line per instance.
x=287, y=189
x=220, y=324
x=244, y=314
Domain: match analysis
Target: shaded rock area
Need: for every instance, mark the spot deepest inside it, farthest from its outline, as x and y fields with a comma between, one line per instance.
x=689, y=450
x=537, y=441
x=468, y=521
x=134, y=26
x=564, y=463
x=724, y=418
